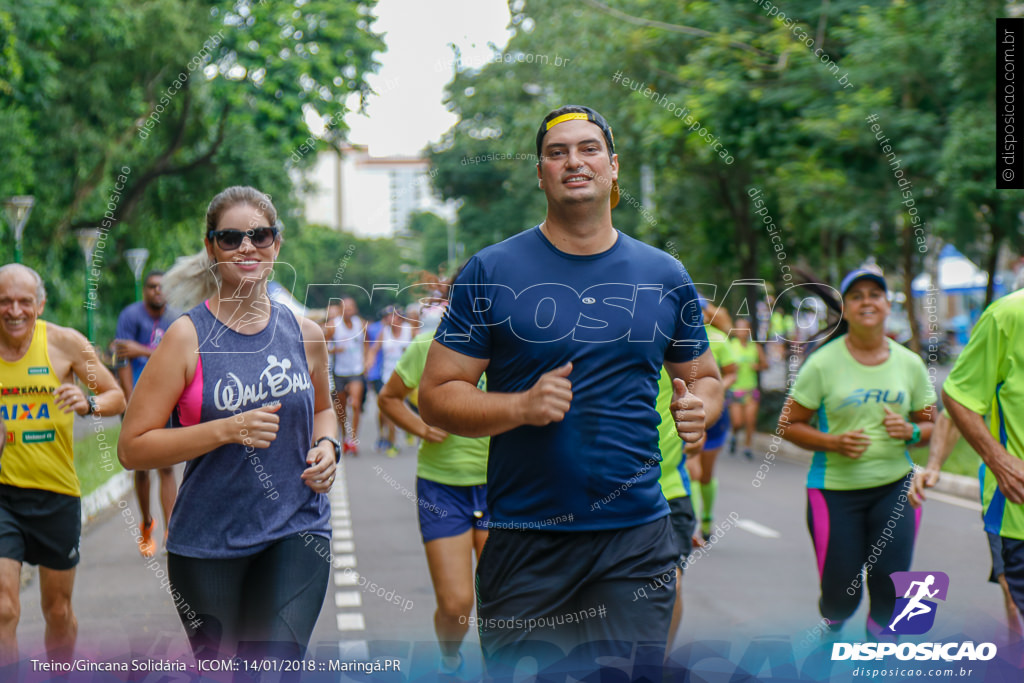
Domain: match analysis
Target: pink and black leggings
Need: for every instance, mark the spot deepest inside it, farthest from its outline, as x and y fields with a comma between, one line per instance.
x=873, y=528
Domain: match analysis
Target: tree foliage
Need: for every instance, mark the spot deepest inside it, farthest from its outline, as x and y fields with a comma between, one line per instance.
x=180, y=99
x=789, y=98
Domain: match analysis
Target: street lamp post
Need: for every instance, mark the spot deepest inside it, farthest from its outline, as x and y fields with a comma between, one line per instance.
x=18, y=210
x=87, y=238
x=137, y=262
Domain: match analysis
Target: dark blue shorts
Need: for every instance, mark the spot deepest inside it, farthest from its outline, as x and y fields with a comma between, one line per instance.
x=718, y=432
x=995, y=549
x=40, y=527
x=1013, y=563
x=684, y=521
x=567, y=598
x=450, y=510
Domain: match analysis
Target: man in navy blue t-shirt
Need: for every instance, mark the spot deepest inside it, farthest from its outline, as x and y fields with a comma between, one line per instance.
x=140, y=327
x=572, y=320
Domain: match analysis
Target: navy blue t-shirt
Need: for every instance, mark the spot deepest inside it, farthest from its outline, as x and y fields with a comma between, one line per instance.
x=137, y=324
x=618, y=315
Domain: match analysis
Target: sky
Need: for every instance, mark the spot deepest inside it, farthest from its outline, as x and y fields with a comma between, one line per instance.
x=407, y=113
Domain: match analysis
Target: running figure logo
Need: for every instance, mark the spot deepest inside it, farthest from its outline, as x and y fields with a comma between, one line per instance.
x=914, y=613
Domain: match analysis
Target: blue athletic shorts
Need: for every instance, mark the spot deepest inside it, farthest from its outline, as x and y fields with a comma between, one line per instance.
x=718, y=432
x=684, y=521
x=995, y=549
x=450, y=510
x=1013, y=564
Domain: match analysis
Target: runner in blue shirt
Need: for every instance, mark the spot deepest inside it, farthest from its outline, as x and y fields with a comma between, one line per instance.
x=140, y=327
x=573, y=321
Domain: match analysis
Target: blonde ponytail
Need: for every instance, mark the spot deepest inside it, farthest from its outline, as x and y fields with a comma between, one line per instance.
x=192, y=280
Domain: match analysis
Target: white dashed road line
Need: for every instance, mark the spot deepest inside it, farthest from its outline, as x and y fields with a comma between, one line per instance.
x=757, y=529
x=346, y=578
x=348, y=599
x=348, y=602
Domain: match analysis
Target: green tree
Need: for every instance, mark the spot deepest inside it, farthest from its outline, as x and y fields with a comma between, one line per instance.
x=788, y=99
x=181, y=100
x=363, y=268
x=430, y=233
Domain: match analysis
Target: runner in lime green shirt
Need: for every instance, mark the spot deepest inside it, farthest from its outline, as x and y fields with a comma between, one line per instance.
x=451, y=477
x=848, y=396
x=675, y=479
x=455, y=461
x=717, y=433
x=989, y=378
x=746, y=397
x=872, y=399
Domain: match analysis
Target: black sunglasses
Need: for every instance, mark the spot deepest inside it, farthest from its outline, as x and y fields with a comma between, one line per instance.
x=229, y=240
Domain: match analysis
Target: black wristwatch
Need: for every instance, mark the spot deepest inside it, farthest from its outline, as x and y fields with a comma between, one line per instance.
x=93, y=408
x=335, y=442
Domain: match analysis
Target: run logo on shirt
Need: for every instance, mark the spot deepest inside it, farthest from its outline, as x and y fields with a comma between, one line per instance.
x=862, y=396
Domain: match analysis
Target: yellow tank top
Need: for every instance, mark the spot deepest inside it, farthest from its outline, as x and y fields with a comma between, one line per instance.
x=39, y=451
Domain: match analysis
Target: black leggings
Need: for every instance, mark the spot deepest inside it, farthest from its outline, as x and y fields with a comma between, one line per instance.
x=263, y=604
x=850, y=529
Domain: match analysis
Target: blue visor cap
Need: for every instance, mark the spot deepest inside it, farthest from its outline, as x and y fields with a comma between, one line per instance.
x=855, y=276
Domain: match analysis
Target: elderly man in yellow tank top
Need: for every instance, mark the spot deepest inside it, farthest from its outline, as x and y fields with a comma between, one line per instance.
x=40, y=504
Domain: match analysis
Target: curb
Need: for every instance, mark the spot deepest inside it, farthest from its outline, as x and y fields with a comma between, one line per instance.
x=960, y=486
x=951, y=484
x=105, y=496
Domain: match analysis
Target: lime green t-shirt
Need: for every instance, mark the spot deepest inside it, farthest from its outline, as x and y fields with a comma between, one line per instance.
x=746, y=360
x=456, y=461
x=675, y=482
x=848, y=395
x=721, y=348
x=989, y=378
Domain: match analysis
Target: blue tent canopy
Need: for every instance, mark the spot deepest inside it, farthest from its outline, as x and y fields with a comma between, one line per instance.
x=957, y=275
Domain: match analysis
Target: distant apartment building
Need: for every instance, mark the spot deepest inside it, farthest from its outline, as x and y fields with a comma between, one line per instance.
x=369, y=196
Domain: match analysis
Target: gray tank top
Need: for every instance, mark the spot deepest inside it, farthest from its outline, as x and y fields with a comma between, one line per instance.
x=236, y=500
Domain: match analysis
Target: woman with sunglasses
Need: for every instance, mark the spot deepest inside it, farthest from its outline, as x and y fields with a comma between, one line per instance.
x=245, y=382
x=872, y=399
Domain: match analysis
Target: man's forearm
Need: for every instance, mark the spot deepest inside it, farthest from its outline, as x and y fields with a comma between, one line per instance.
x=110, y=402
x=944, y=437
x=124, y=378
x=712, y=393
x=460, y=408
x=972, y=426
